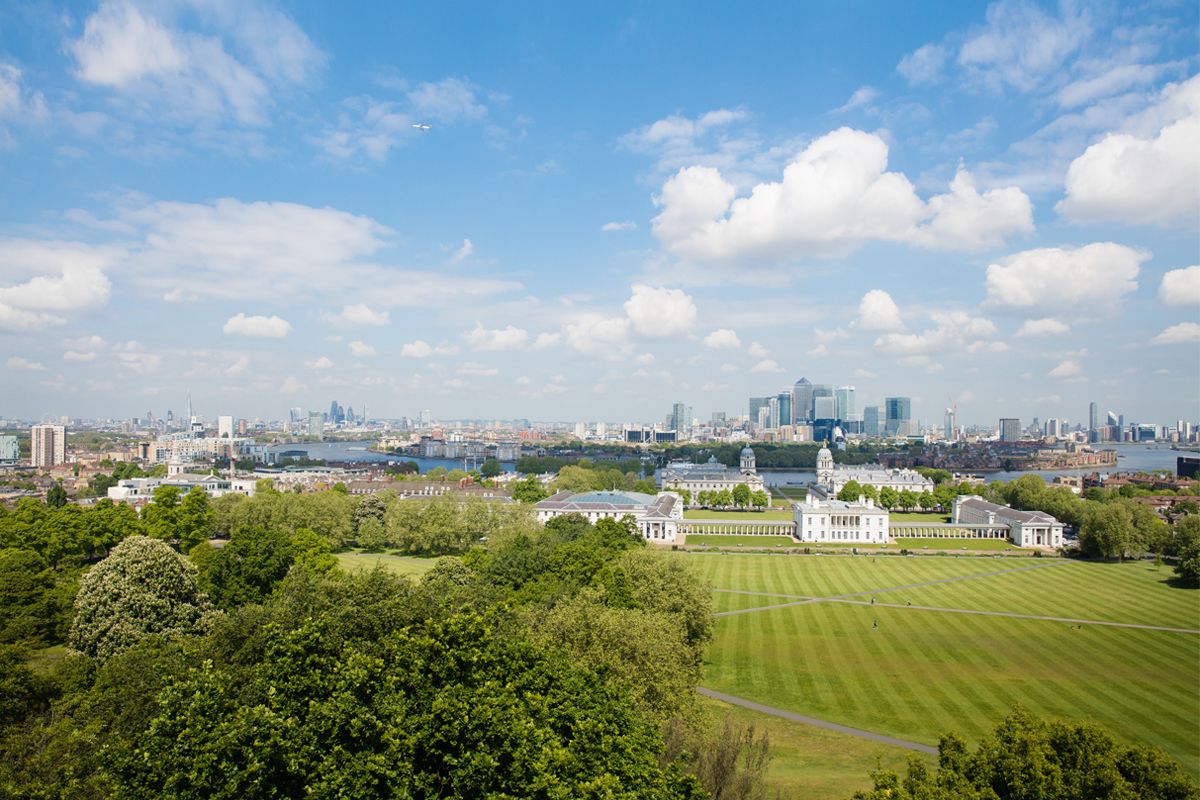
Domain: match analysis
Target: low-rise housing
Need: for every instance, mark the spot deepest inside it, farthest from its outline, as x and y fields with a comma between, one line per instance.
x=657, y=516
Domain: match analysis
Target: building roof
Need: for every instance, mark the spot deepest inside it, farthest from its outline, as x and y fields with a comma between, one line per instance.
x=877, y=473
x=1008, y=511
x=615, y=501
x=827, y=505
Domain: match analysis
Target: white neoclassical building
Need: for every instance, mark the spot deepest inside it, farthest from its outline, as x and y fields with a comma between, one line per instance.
x=832, y=477
x=1025, y=528
x=712, y=476
x=657, y=516
x=823, y=521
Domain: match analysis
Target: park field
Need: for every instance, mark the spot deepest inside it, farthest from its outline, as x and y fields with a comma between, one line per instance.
x=771, y=514
x=409, y=566
x=738, y=540
x=918, y=543
x=914, y=647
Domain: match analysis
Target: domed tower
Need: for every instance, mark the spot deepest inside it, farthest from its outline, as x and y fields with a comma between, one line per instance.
x=747, y=460
x=825, y=468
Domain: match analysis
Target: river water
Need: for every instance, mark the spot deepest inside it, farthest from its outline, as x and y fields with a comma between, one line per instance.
x=343, y=452
x=1130, y=458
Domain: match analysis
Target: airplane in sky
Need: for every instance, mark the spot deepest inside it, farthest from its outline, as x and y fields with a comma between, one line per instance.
x=421, y=126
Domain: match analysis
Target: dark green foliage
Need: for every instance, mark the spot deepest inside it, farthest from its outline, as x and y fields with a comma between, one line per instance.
x=1027, y=758
x=247, y=568
x=56, y=495
x=21, y=692
x=490, y=468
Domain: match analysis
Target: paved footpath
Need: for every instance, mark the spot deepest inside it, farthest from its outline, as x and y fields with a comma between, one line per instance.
x=816, y=723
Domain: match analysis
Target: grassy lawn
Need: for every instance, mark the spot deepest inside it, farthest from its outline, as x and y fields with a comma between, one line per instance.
x=409, y=566
x=728, y=601
x=915, y=543
x=921, y=673
x=777, y=515
x=734, y=540
x=812, y=763
x=917, y=516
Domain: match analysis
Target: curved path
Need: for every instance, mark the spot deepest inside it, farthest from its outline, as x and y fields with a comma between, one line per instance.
x=817, y=723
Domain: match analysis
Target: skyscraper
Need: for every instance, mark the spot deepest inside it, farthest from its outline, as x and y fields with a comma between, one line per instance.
x=784, y=399
x=950, y=429
x=1093, y=422
x=1010, y=429
x=48, y=445
x=224, y=427
x=802, y=393
x=897, y=416
x=316, y=426
x=871, y=426
x=846, y=410
x=757, y=403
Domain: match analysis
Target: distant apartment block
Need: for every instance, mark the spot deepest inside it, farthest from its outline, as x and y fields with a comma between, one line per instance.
x=48, y=447
x=9, y=449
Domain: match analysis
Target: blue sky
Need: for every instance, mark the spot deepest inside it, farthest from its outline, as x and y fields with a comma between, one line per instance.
x=614, y=207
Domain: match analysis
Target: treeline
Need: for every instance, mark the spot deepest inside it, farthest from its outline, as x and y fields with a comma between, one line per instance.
x=1026, y=757
x=540, y=465
x=1110, y=524
x=548, y=663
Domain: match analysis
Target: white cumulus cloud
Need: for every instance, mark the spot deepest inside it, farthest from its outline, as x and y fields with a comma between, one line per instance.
x=952, y=330
x=271, y=327
x=1128, y=179
x=877, y=311
x=357, y=314
x=597, y=334
x=1067, y=368
x=1092, y=277
x=833, y=196
x=509, y=337
x=324, y=362
x=613, y=227
x=1181, y=287
x=417, y=349
x=361, y=349
x=766, y=365
x=1182, y=333
x=659, y=311
x=722, y=338
x=1048, y=326
x=24, y=364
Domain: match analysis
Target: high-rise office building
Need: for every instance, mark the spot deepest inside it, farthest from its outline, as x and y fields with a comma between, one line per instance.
x=224, y=427
x=1053, y=427
x=802, y=393
x=846, y=410
x=316, y=425
x=950, y=425
x=1010, y=429
x=897, y=416
x=425, y=418
x=1093, y=422
x=784, y=416
x=871, y=421
x=680, y=419
x=48, y=445
x=756, y=404
x=824, y=407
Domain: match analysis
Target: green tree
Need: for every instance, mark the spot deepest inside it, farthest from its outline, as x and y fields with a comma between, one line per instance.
x=1026, y=757
x=851, y=491
x=760, y=499
x=248, y=567
x=889, y=498
x=490, y=468
x=193, y=519
x=143, y=588
x=907, y=499
x=56, y=495
x=926, y=501
x=576, y=479
x=723, y=498
x=528, y=490
x=741, y=495
x=1107, y=531
x=161, y=514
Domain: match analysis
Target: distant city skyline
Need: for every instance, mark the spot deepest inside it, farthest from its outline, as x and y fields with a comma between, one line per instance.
x=562, y=212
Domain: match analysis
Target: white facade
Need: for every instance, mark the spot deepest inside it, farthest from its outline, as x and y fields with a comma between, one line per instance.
x=48, y=445
x=657, y=517
x=833, y=477
x=225, y=427
x=1026, y=528
x=824, y=521
x=712, y=476
x=137, y=490
x=10, y=450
